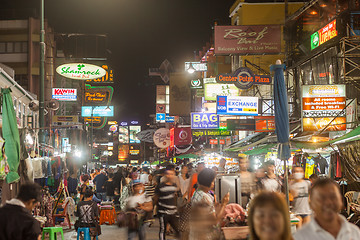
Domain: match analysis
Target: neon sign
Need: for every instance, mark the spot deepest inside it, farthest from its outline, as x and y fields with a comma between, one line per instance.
x=324, y=34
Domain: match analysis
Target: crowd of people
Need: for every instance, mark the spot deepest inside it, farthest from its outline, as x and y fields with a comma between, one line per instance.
x=184, y=201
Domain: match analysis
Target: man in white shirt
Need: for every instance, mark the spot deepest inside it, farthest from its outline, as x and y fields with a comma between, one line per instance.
x=327, y=223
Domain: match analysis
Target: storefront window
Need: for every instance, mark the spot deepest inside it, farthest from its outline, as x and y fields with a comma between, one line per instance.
x=319, y=71
x=306, y=73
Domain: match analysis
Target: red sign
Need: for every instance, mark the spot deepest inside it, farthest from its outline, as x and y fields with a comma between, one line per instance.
x=180, y=136
x=322, y=106
x=160, y=108
x=252, y=39
x=264, y=124
x=222, y=141
x=213, y=141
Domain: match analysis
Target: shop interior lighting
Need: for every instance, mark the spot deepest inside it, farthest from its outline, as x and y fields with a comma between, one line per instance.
x=313, y=12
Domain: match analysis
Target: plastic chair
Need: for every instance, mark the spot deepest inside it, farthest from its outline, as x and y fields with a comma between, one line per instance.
x=86, y=232
x=349, y=200
x=64, y=215
x=52, y=232
x=107, y=215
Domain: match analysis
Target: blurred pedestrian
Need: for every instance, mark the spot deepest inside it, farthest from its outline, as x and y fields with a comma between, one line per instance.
x=16, y=220
x=247, y=180
x=183, y=180
x=193, y=180
x=326, y=223
x=110, y=188
x=99, y=181
x=299, y=189
x=222, y=165
x=165, y=194
x=271, y=181
x=85, y=184
x=268, y=217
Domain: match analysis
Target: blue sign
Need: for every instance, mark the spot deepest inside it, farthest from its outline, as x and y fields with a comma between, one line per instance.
x=204, y=121
x=169, y=119
x=97, y=111
x=160, y=117
x=234, y=105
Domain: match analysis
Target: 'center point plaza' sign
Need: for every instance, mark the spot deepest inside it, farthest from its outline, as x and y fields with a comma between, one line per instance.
x=98, y=111
x=244, y=78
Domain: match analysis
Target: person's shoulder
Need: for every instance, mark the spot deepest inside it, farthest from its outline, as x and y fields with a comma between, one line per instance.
x=305, y=232
x=355, y=231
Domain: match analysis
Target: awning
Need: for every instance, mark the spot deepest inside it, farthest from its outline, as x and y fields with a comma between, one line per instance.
x=189, y=155
x=260, y=150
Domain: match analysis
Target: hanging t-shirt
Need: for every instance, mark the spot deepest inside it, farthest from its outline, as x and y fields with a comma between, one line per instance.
x=309, y=169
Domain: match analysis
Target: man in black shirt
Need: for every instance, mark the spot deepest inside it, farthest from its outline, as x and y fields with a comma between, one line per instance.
x=16, y=221
x=165, y=197
x=99, y=181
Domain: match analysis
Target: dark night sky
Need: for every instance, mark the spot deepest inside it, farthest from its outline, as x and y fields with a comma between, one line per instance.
x=141, y=34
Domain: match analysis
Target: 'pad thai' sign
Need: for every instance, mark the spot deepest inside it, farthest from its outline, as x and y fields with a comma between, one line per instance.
x=254, y=39
x=80, y=71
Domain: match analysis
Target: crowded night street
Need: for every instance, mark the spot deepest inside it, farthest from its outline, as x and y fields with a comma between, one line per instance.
x=180, y=120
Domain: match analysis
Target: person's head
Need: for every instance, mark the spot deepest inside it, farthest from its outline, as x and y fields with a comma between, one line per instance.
x=206, y=178
x=170, y=175
x=88, y=195
x=222, y=162
x=184, y=169
x=270, y=167
x=150, y=178
x=157, y=167
x=325, y=199
x=298, y=173
x=85, y=178
x=243, y=164
x=138, y=187
x=313, y=178
x=200, y=166
x=29, y=194
x=268, y=217
x=111, y=176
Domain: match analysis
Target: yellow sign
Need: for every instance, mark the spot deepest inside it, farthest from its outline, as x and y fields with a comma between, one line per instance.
x=109, y=76
x=112, y=122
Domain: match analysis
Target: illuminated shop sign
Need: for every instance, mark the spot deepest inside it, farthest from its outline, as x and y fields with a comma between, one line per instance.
x=199, y=67
x=324, y=34
x=64, y=94
x=244, y=78
x=98, y=111
x=247, y=106
x=97, y=94
x=212, y=90
x=107, y=78
x=80, y=71
x=196, y=83
x=204, y=121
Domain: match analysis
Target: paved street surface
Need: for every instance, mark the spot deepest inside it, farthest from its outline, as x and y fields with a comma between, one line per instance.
x=114, y=232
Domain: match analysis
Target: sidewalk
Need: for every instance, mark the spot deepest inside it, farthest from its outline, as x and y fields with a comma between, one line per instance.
x=110, y=232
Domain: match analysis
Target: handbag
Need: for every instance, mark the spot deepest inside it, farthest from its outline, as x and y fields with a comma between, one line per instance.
x=185, y=218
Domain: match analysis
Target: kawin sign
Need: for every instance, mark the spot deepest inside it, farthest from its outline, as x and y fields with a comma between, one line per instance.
x=80, y=71
x=244, y=78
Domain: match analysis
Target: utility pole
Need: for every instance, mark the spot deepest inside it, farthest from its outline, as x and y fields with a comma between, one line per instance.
x=42, y=76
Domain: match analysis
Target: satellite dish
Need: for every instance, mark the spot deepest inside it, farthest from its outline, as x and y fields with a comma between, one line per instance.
x=53, y=104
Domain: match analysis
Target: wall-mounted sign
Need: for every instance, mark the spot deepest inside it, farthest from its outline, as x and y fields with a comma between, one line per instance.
x=66, y=146
x=113, y=128
x=169, y=119
x=213, y=141
x=112, y=123
x=123, y=134
x=64, y=94
x=324, y=34
x=162, y=138
x=57, y=118
x=97, y=94
x=200, y=133
x=196, y=83
x=107, y=78
x=133, y=131
x=204, y=121
x=134, y=122
x=323, y=100
x=317, y=124
x=180, y=136
x=80, y=71
x=160, y=108
x=254, y=39
x=241, y=124
x=93, y=120
x=214, y=89
x=123, y=152
x=244, y=78
x=146, y=135
x=246, y=106
x=199, y=67
x=134, y=150
x=160, y=117
x=123, y=123
x=264, y=123
x=97, y=111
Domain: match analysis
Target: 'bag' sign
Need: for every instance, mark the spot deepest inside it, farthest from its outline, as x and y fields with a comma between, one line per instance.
x=204, y=121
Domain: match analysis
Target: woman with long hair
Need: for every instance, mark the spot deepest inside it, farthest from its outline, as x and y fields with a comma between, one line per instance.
x=269, y=217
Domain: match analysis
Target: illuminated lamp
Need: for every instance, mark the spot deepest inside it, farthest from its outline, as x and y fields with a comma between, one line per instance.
x=191, y=69
x=313, y=12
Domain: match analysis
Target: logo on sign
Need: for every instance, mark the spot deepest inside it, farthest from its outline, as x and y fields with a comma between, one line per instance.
x=64, y=94
x=244, y=78
x=197, y=83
